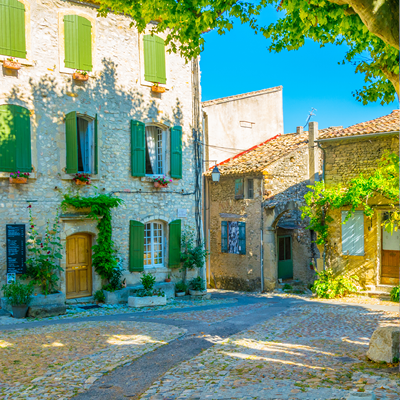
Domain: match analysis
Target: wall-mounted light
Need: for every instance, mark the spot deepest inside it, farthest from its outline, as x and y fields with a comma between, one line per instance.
x=215, y=175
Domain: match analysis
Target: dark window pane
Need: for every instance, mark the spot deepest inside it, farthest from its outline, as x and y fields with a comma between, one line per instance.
x=281, y=247
x=149, y=168
x=250, y=187
x=288, y=254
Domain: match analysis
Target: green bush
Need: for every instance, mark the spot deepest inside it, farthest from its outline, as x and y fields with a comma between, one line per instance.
x=181, y=287
x=328, y=286
x=197, y=284
x=99, y=296
x=286, y=286
x=17, y=293
x=148, y=281
x=395, y=294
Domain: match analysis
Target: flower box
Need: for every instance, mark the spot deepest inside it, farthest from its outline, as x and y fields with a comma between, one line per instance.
x=80, y=77
x=11, y=65
x=19, y=180
x=147, y=301
x=79, y=182
x=159, y=185
x=158, y=89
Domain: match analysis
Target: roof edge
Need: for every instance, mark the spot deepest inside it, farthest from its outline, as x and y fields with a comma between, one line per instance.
x=359, y=136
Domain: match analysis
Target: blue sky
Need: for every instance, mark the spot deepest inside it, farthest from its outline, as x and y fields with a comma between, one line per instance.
x=239, y=62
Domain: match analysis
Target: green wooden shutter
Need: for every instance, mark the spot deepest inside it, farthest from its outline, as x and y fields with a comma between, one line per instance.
x=85, y=44
x=8, y=142
x=242, y=237
x=149, y=51
x=239, y=189
x=12, y=28
x=136, y=246
x=174, y=244
x=71, y=44
x=353, y=234
x=224, y=236
x=96, y=147
x=161, y=76
x=176, y=152
x=71, y=136
x=22, y=128
x=138, y=148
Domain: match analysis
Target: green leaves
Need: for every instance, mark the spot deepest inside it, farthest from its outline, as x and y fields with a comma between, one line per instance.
x=328, y=286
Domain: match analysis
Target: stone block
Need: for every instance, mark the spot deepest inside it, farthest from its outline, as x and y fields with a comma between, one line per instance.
x=50, y=310
x=384, y=344
x=148, y=301
x=55, y=299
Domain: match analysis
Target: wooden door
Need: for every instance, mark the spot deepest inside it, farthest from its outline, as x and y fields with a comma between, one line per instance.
x=79, y=266
x=390, y=258
x=285, y=260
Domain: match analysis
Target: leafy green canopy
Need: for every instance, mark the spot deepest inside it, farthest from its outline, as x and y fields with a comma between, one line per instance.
x=356, y=194
x=373, y=54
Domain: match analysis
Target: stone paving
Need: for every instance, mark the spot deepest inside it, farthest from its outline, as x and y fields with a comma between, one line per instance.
x=58, y=361
x=307, y=352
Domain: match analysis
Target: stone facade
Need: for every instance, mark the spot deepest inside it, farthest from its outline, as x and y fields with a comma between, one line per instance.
x=117, y=92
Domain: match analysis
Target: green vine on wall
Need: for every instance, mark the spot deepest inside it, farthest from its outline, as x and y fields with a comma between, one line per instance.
x=356, y=194
x=104, y=260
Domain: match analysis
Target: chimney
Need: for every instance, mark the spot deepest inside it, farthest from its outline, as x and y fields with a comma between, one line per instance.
x=313, y=159
x=299, y=130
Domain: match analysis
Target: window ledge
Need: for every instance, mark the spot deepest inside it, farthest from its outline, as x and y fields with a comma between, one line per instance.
x=161, y=268
x=22, y=61
x=71, y=71
x=70, y=177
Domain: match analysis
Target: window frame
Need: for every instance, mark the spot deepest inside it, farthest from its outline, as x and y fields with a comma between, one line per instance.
x=164, y=133
x=225, y=237
x=91, y=121
x=351, y=225
x=152, y=243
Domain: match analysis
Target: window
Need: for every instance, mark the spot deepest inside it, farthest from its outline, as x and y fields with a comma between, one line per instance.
x=155, y=151
x=285, y=248
x=12, y=29
x=250, y=188
x=153, y=245
x=239, y=189
x=81, y=144
x=353, y=234
x=15, y=139
x=77, y=43
x=154, y=59
x=233, y=237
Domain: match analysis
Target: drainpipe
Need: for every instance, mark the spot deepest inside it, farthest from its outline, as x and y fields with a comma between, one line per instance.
x=323, y=178
x=262, y=236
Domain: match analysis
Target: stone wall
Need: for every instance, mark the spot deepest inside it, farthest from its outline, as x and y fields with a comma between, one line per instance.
x=115, y=92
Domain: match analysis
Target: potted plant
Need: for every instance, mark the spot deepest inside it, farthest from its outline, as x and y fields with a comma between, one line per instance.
x=11, y=63
x=147, y=296
x=161, y=181
x=180, y=288
x=169, y=278
x=19, y=296
x=99, y=297
x=197, y=287
x=81, y=179
x=157, y=88
x=80, y=75
x=19, y=177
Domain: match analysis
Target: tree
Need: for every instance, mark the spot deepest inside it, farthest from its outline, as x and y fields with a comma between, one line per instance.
x=370, y=29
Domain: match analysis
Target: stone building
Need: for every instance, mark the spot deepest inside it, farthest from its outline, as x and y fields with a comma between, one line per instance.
x=361, y=246
x=235, y=123
x=253, y=219
x=112, y=126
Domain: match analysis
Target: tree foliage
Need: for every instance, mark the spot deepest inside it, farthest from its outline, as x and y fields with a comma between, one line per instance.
x=371, y=32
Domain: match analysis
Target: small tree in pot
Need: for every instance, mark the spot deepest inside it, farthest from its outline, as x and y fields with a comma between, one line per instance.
x=197, y=287
x=19, y=296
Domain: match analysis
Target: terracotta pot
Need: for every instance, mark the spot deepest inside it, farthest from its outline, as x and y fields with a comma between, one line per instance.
x=158, y=89
x=167, y=279
x=166, y=185
x=156, y=185
x=18, y=180
x=80, y=77
x=78, y=182
x=11, y=65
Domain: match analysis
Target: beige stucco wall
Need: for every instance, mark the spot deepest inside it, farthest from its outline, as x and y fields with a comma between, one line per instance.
x=114, y=92
x=263, y=111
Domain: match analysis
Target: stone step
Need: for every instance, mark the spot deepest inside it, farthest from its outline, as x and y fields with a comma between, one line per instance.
x=80, y=300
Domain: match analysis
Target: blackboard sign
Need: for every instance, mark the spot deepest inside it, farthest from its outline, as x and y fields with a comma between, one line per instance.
x=16, y=249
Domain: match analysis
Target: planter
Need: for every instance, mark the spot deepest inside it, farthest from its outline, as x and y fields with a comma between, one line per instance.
x=157, y=185
x=167, y=279
x=197, y=292
x=80, y=77
x=11, y=65
x=19, y=180
x=148, y=301
x=180, y=294
x=158, y=89
x=78, y=182
x=19, y=311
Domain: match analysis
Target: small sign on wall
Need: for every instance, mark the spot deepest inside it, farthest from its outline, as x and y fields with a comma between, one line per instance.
x=182, y=213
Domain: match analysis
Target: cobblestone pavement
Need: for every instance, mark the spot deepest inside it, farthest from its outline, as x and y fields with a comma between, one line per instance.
x=58, y=361
x=307, y=352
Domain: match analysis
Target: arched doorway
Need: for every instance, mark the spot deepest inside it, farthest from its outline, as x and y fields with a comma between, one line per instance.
x=79, y=266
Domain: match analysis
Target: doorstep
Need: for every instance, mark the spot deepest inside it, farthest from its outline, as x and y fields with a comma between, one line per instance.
x=80, y=300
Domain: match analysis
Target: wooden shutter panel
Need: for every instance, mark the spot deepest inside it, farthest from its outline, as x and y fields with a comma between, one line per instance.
x=149, y=52
x=176, y=152
x=85, y=44
x=353, y=234
x=71, y=137
x=239, y=189
x=174, y=244
x=71, y=36
x=136, y=246
x=12, y=28
x=161, y=76
x=96, y=149
x=347, y=234
x=358, y=248
x=22, y=128
x=242, y=237
x=138, y=148
x=7, y=139
x=224, y=237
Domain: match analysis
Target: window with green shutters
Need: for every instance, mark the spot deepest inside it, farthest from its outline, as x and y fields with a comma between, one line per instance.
x=175, y=244
x=136, y=246
x=154, y=59
x=12, y=29
x=77, y=42
x=233, y=237
x=15, y=139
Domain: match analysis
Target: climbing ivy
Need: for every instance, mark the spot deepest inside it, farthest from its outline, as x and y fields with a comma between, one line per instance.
x=320, y=200
x=104, y=260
